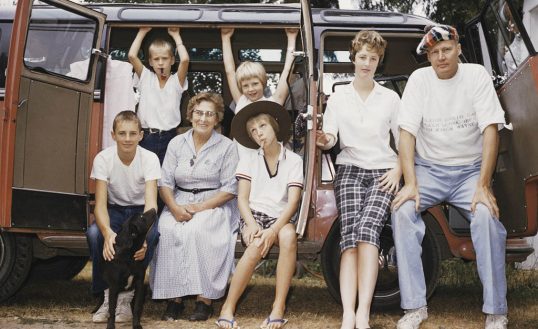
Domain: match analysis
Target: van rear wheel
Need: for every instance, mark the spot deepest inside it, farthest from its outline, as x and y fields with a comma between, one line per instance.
x=387, y=291
x=15, y=262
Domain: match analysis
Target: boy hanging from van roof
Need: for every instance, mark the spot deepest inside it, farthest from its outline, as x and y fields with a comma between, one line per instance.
x=158, y=109
x=248, y=83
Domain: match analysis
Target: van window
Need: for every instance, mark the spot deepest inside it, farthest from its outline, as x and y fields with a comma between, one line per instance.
x=72, y=38
x=5, y=32
x=204, y=81
x=507, y=48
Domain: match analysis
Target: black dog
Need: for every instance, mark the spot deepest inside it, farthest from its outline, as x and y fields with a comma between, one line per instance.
x=123, y=272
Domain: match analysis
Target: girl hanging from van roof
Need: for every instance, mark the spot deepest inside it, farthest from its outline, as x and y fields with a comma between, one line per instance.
x=248, y=83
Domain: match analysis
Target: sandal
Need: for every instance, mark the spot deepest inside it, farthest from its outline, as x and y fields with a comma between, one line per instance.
x=231, y=322
x=282, y=322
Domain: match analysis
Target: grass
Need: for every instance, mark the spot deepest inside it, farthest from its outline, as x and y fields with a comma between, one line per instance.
x=456, y=303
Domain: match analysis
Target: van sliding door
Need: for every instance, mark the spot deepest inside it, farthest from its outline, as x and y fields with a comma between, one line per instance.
x=498, y=40
x=52, y=69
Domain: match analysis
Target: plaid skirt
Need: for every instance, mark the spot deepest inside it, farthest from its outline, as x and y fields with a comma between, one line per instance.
x=263, y=220
x=362, y=206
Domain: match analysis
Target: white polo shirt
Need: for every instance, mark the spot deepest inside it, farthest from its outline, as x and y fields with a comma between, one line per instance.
x=448, y=116
x=363, y=127
x=126, y=184
x=159, y=108
x=269, y=195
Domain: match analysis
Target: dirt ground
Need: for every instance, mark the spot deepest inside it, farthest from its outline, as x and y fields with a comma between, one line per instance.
x=456, y=304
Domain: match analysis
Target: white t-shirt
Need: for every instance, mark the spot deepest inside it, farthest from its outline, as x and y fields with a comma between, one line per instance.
x=447, y=117
x=126, y=184
x=244, y=101
x=269, y=195
x=364, y=126
x=159, y=108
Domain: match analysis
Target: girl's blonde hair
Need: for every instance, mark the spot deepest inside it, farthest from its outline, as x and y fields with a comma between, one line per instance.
x=371, y=39
x=249, y=70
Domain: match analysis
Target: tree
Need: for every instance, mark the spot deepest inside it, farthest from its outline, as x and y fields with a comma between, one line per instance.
x=450, y=12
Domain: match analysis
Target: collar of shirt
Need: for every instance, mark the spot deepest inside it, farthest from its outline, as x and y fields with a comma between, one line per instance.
x=214, y=139
x=350, y=89
x=282, y=154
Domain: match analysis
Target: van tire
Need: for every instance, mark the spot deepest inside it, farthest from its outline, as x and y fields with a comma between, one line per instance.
x=15, y=263
x=57, y=268
x=387, y=292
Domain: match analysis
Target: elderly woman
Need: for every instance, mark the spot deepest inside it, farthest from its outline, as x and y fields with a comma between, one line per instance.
x=198, y=226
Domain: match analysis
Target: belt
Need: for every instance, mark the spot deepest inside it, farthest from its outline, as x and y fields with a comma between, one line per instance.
x=196, y=190
x=156, y=131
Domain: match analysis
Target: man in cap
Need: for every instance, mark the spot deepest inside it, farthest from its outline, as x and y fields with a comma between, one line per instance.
x=449, y=123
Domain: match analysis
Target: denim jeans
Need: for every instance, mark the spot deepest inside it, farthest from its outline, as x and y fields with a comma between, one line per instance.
x=455, y=185
x=158, y=142
x=117, y=215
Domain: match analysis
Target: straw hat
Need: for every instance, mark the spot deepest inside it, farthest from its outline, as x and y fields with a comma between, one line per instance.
x=239, y=122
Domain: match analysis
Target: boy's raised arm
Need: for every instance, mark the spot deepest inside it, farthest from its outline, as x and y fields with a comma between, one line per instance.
x=229, y=64
x=135, y=47
x=281, y=92
x=184, y=59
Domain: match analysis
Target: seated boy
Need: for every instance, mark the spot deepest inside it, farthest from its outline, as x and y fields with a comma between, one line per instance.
x=125, y=184
x=160, y=90
x=269, y=191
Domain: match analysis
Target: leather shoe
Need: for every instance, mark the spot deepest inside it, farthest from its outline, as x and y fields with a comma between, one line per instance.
x=202, y=312
x=173, y=311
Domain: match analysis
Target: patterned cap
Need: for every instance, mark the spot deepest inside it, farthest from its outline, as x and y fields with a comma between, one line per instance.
x=435, y=34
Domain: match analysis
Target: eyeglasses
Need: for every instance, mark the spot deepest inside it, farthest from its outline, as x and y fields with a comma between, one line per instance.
x=441, y=52
x=208, y=114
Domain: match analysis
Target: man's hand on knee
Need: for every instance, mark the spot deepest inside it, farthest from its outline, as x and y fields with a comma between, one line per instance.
x=485, y=196
x=408, y=192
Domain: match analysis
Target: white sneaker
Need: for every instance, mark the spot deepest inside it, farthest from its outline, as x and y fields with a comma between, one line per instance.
x=413, y=318
x=496, y=321
x=101, y=315
x=123, y=309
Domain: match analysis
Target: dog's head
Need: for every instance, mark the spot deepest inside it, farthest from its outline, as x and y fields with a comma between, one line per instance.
x=134, y=231
x=140, y=224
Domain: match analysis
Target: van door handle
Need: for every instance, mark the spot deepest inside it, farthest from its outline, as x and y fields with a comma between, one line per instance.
x=99, y=53
x=21, y=103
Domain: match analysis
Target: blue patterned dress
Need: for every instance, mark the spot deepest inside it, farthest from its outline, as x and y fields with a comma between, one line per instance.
x=196, y=257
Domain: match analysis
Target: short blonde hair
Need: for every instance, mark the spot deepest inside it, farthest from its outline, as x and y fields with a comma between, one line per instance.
x=161, y=43
x=249, y=70
x=369, y=38
x=216, y=99
x=263, y=116
x=126, y=116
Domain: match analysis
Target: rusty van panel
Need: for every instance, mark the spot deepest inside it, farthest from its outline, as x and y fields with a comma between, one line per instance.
x=82, y=172
x=518, y=153
x=18, y=160
x=50, y=154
